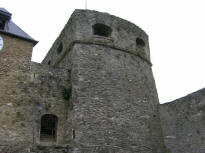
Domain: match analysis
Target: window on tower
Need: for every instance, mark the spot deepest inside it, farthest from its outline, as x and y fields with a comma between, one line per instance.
x=140, y=42
x=60, y=48
x=101, y=30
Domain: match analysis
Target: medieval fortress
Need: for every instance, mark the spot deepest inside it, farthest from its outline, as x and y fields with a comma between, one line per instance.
x=93, y=93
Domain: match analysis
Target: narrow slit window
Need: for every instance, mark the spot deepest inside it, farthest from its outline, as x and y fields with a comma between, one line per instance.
x=73, y=135
x=60, y=48
x=48, y=127
x=101, y=30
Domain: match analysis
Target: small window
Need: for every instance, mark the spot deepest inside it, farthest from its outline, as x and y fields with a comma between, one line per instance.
x=48, y=127
x=60, y=48
x=102, y=30
x=73, y=135
x=49, y=62
x=140, y=42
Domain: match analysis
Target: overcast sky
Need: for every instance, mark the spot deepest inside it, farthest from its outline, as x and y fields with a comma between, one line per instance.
x=176, y=30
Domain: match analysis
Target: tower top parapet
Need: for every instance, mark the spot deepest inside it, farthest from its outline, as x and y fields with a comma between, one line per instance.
x=93, y=27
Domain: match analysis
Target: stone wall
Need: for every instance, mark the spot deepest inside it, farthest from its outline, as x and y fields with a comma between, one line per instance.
x=14, y=102
x=79, y=29
x=113, y=105
x=183, y=123
x=46, y=89
x=28, y=91
x=115, y=102
x=15, y=56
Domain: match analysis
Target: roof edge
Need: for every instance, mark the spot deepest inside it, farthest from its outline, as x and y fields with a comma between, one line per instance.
x=34, y=42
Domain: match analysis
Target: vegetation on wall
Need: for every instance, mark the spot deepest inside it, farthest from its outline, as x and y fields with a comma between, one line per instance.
x=66, y=91
x=167, y=150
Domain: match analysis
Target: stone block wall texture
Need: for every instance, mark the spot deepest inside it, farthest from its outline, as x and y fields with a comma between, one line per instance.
x=46, y=88
x=183, y=123
x=28, y=91
x=114, y=106
x=115, y=103
x=79, y=30
x=14, y=102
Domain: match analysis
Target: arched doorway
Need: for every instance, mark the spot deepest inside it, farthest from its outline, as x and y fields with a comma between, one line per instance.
x=49, y=124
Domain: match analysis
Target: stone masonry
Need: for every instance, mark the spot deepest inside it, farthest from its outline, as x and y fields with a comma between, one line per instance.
x=183, y=122
x=93, y=93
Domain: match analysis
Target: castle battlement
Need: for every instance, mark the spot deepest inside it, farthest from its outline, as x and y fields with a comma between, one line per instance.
x=92, y=27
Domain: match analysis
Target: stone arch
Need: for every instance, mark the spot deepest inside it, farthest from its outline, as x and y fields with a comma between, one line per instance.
x=48, y=130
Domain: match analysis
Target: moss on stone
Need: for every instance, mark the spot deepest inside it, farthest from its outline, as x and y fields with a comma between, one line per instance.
x=167, y=150
x=66, y=91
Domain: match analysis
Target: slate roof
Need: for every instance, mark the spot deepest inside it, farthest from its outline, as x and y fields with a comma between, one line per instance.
x=5, y=13
x=12, y=29
x=4, y=10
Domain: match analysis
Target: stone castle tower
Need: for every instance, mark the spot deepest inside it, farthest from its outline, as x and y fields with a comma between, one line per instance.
x=113, y=91
x=94, y=92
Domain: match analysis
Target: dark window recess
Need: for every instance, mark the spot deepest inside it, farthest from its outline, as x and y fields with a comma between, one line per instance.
x=49, y=62
x=73, y=136
x=48, y=127
x=60, y=48
x=102, y=30
x=2, y=24
x=140, y=42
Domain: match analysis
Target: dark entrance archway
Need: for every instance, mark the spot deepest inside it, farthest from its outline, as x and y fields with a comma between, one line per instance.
x=49, y=124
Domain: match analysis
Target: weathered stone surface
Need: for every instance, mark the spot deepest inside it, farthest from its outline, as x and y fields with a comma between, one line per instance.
x=100, y=88
x=46, y=94
x=183, y=123
x=79, y=30
x=26, y=94
x=14, y=101
x=115, y=103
